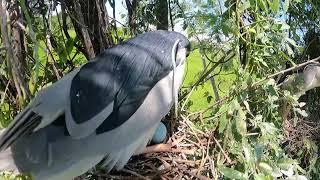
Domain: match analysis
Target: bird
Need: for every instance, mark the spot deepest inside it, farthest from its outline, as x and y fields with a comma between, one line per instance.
x=298, y=84
x=311, y=76
x=100, y=113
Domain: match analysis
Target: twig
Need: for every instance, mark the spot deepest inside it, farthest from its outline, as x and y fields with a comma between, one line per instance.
x=51, y=57
x=194, y=143
x=190, y=162
x=192, y=174
x=187, y=99
x=211, y=162
x=204, y=160
x=221, y=149
x=134, y=173
x=5, y=92
x=84, y=31
x=315, y=60
x=225, y=58
x=163, y=148
x=117, y=21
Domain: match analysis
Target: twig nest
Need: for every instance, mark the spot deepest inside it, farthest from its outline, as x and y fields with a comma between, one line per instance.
x=160, y=134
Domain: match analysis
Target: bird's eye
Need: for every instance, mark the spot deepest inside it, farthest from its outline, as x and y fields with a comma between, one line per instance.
x=188, y=52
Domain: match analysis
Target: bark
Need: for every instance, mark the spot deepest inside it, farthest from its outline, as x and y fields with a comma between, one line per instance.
x=161, y=12
x=132, y=15
x=15, y=48
x=65, y=29
x=171, y=16
x=114, y=25
x=113, y=6
x=90, y=21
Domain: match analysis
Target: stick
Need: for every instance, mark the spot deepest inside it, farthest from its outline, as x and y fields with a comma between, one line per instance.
x=315, y=60
x=221, y=149
x=134, y=173
x=163, y=148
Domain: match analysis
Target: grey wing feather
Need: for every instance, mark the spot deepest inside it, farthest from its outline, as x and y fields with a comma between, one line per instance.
x=91, y=97
x=119, y=144
x=41, y=111
x=157, y=104
x=106, y=92
x=70, y=156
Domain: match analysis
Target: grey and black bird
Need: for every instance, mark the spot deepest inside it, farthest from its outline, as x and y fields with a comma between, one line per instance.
x=299, y=83
x=107, y=109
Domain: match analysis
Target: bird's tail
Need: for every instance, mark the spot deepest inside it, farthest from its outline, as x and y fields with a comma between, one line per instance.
x=6, y=160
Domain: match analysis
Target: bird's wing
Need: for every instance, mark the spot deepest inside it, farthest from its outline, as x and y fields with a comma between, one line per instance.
x=127, y=130
x=97, y=96
x=45, y=108
x=91, y=98
x=89, y=94
x=104, y=94
x=52, y=155
x=136, y=132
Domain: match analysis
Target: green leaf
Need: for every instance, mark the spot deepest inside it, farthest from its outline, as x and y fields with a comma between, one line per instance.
x=291, y=41
x=241, y=123
x=262, y=4
x=262, y=177
x=265, y=167
x=249, y=156
x=244, y=6
x=211, y=2
x=284, y=26
x=69, y=45
x=286, y=163
x=227, y=27
x=301, y=112
x=262, y=62
x=289, y=50
x=286, y=5
x=234, y=105
x=222, y=122
x=246, y=104
x=232, y=173
x=275, y=4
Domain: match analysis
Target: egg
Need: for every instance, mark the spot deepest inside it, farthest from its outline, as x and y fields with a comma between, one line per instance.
x=160, y=134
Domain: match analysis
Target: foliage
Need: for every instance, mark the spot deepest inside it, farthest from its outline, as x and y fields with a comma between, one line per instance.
x=250, y=121
x=238, y=43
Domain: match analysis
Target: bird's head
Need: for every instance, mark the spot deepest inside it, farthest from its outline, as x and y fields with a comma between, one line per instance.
x=163, y=46
x=311, y=75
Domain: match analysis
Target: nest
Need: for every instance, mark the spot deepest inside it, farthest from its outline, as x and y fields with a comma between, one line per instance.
x=300, y=137
x=297, y=133
x=185, y=155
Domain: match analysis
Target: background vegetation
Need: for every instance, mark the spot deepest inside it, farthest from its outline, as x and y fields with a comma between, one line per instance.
x=231, y=87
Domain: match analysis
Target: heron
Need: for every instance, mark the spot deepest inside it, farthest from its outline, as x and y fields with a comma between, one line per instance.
x=299, y=83
x=102, y=112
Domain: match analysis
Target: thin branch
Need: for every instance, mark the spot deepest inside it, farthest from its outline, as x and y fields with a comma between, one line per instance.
x=6, y=41
x=225, y=58
x=134, y=173
x=315, y=60
x=84, y=30
x=163, y=148
x=170, y=15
